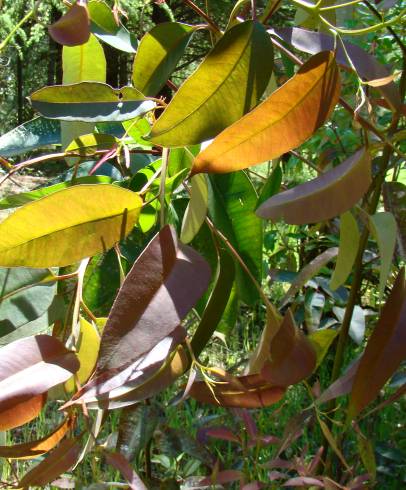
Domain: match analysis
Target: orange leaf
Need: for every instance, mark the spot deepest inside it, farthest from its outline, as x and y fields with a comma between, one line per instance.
x=37, y=448
x=22, y=413
x=287, y=118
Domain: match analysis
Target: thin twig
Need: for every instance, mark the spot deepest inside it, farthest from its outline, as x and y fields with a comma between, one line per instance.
x=203, y=14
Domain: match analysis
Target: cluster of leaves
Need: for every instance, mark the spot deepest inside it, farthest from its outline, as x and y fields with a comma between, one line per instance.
x=160, y=220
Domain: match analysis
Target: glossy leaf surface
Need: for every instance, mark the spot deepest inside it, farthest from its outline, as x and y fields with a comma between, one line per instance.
x=324, y=197
x=144, y=313
x=228, y=83
x=285, y=120
x=105, y=28
x=93, y=217
x=385, y=350
x=232, y=200
x=89, y=102
x=196, y=210
x=158, y=54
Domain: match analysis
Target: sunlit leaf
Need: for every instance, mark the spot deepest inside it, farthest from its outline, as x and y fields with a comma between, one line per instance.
x=228, y=83
x=367, y=66
x=104, y=26
x=81, y=63
x=324, y=197
x=349, y=240
x=158, y=54
x=21, y=413
x=72, y=28
x=87, y=350
x=321, y=341
x=57, y=462
x=384, y=229
x=196, y=210
x=33, y=449
x=93, y=217
x=16, y=200
x=385, y=350
x=146, y=312
x=285, y=120
x=30, y=367
x=88, y=144
x=89, y=102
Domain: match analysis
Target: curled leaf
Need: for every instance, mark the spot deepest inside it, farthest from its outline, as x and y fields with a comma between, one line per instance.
x=73, y=28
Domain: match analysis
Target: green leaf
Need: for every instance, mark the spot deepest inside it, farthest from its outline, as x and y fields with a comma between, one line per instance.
x=313, y=305
x=158, y=54
x=25, y=295
x=88, y=144
x=324, y=197
x=383, y=228
x=216, y=304
x=385, y=350
x=92, y=217
x=271, y=186
x=196, y=210
x=349, y=240
x=182, y=158
x=228, y=83
x=394, y=195
x=232, y=200
x=89, y=102
x=87, y=351
x=16, y=200
x=104, y=26
x=321, y=341
x=233, y=20
x=285, y=120
x=37, y=133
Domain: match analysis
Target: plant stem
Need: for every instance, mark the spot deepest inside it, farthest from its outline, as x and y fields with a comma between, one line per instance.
x=16, y=27
x=164, y=167
x=213, y=26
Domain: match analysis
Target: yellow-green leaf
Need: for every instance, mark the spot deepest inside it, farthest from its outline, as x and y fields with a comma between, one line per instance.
x=384, y=229
x=286, y=119
x=158, y=54
x=321, y=340
x=87, y=350
x=196, y=210
x=324, y=197
x=67, y=226
x=349, y=240
x=228, y=83
x=81, y=63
